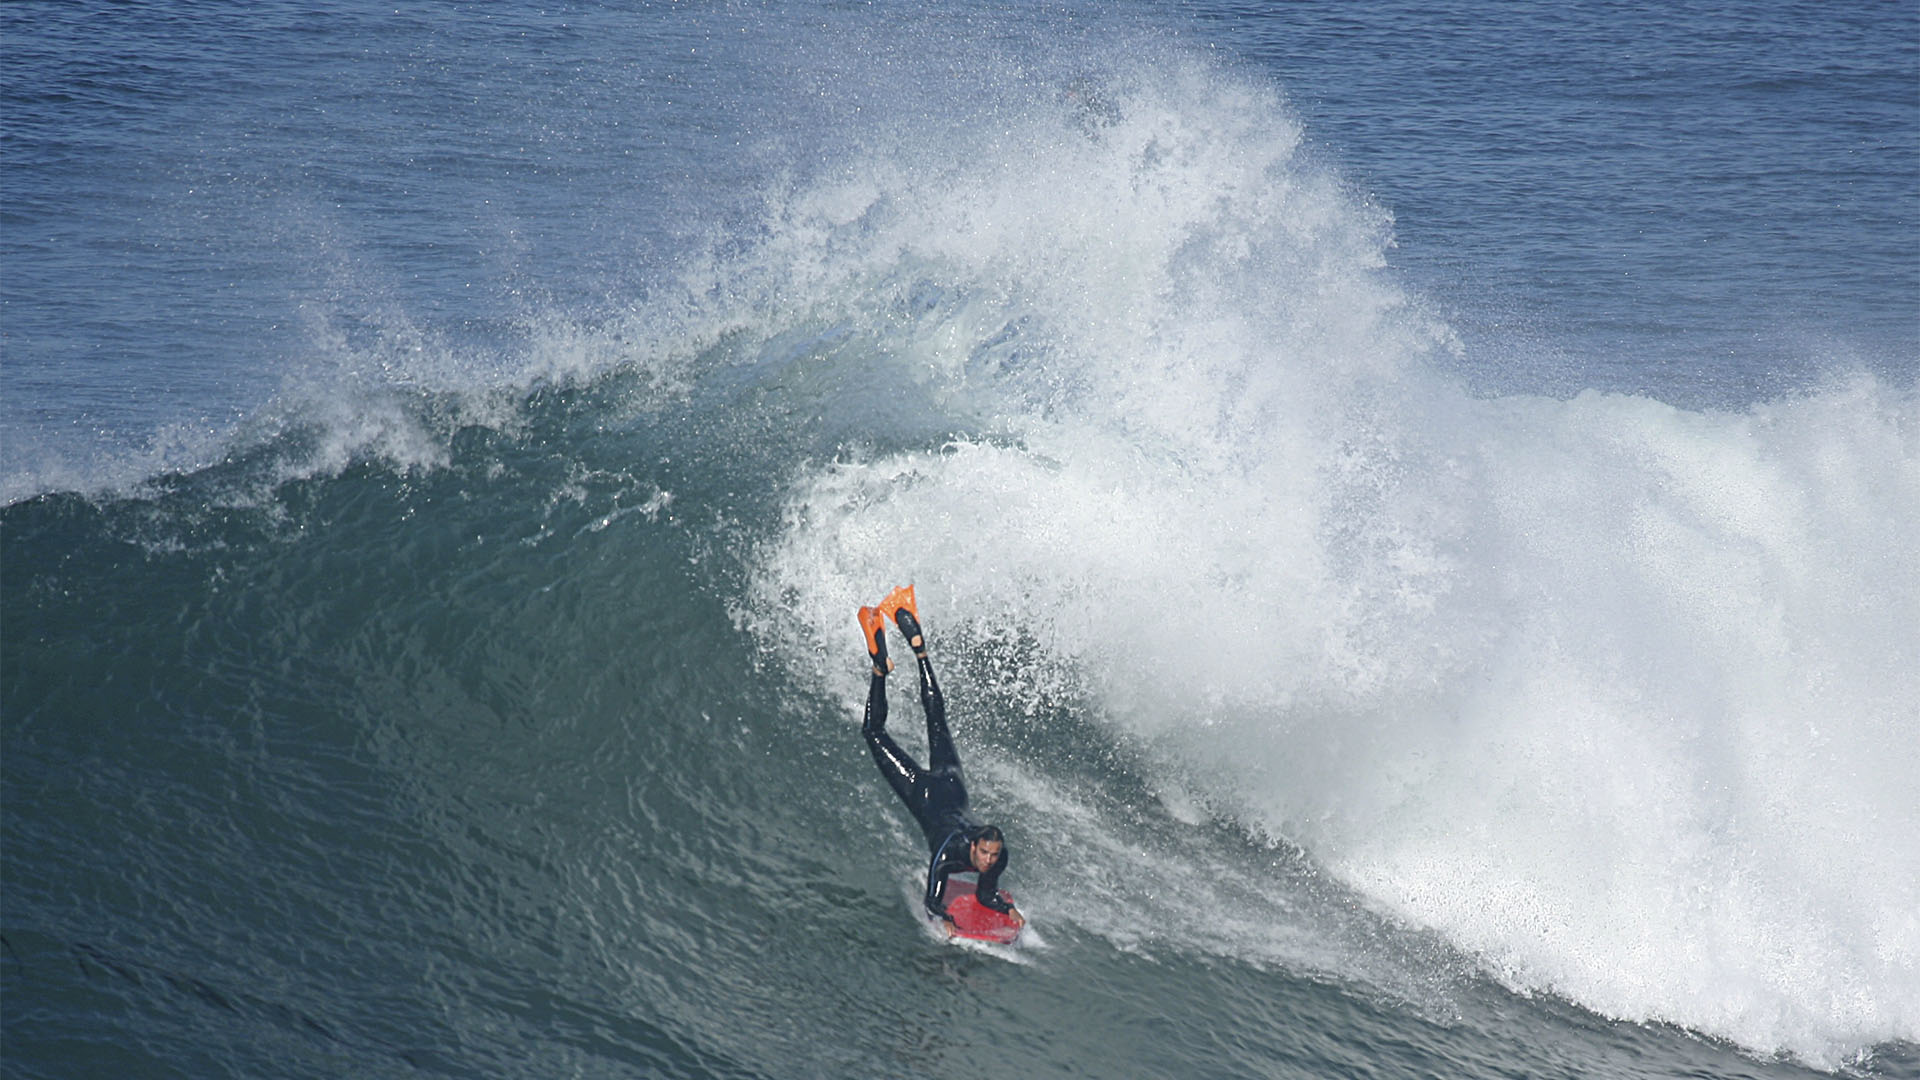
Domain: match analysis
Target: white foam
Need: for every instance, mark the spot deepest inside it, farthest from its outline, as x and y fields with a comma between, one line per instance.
x=1620, y=698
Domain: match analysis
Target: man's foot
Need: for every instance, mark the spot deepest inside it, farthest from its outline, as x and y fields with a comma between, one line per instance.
x=900, y=604
x=910, y=626
x=873, y=627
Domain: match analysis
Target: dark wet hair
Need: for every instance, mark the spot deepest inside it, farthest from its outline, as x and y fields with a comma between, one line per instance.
x=989, y=832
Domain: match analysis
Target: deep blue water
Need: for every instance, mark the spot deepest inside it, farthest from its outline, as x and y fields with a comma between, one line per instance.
x=1413, y=505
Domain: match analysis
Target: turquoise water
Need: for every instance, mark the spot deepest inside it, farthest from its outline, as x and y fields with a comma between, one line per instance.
x=1412, y=506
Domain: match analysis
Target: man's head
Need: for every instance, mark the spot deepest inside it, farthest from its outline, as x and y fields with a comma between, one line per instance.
x=988, y=848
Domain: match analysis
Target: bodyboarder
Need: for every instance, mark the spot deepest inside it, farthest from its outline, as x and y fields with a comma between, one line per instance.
x=936, y=794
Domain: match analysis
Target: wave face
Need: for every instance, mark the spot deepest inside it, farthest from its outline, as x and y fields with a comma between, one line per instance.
x=1616, y=697
x=483, y=702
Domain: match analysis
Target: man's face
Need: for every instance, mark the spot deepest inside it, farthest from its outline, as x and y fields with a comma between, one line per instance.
x=985, y=854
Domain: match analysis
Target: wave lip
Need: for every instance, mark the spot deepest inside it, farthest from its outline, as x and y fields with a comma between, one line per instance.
x=1617, y=696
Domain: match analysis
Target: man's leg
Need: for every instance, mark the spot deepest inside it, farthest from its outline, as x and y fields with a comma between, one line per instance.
x=902, y=774
x=941, y=755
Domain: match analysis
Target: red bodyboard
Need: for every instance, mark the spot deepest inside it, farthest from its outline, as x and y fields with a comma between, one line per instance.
x=972, y=919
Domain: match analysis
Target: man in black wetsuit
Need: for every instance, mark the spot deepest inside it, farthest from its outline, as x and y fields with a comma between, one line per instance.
x=937, y=794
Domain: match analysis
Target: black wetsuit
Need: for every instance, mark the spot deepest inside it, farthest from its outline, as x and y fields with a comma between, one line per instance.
x=937, y=794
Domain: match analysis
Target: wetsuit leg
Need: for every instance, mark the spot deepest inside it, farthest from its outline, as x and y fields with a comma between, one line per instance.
x=940, y=752
x=943, y=806
x=903, y=775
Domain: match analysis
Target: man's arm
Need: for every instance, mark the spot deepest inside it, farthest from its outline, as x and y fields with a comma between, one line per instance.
x=938, y=869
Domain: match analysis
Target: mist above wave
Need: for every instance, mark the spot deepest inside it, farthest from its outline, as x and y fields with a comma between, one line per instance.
x=1617, y=696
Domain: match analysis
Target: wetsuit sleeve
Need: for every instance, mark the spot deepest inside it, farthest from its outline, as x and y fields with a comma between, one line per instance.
x=939, y=868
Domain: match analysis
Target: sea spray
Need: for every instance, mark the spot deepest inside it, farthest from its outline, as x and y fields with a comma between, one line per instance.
x=442, y=451
x=1616, y=696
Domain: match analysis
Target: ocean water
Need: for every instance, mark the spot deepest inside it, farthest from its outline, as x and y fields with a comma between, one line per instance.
x=1414, y=507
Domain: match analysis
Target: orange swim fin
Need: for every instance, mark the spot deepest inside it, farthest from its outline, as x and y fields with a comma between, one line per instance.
x=873, y=627
x=906, y=614
x=901, y=597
